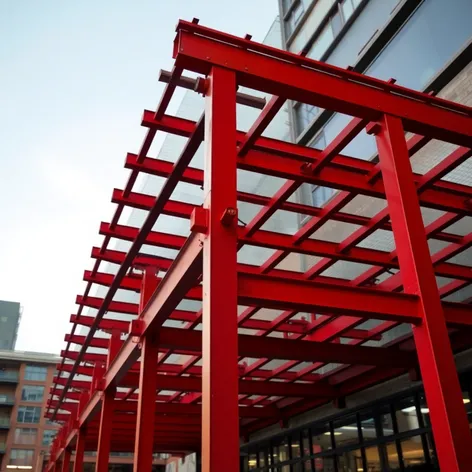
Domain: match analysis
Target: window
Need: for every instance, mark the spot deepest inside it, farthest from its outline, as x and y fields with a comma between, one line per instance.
x=294, y=17
x=36, y=373
x=48, y=436
x=28, y=414
x=305, y=114
x=334, y=25
x=286, y=5
x=346, y=431
x=321, y=195
x=322, y=43
x=6, y=398
x=25, y=435
x=435, y=43
x=21, y=457
x=347, y=8
x=32, y=393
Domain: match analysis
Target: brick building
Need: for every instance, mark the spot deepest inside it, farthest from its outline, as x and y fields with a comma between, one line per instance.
x=25, y=435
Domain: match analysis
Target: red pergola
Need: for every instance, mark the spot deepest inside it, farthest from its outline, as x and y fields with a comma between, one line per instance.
x=121, y=391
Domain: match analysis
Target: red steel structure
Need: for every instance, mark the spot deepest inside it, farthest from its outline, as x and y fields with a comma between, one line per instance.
x=113, y=393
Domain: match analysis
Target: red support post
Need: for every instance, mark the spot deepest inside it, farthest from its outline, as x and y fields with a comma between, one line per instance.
x=66, y=460
x=443, y=392
x=79, y=451
x=220, y=418
x=106, y=414
x=144, y=443
x=105, y=430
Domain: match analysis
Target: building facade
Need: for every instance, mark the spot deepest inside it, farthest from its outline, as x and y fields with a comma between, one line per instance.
x=386, y=427
x=25, y=435
x=10, y=314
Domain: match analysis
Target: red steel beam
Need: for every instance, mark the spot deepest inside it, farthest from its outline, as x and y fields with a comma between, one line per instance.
x=186, y=340
x=268, y=239
x=166, y=191
x=345, y=173
x=146, y=408
x=363, y=97
x=105, y=430
x=184, y=210
x=79, y=451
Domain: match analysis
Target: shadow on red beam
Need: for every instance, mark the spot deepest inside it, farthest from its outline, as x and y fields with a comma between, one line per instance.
x=194, y=370
x=190, y=341
x=246, y=387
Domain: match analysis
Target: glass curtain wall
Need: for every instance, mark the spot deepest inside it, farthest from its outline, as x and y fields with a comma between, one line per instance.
x=391, y=435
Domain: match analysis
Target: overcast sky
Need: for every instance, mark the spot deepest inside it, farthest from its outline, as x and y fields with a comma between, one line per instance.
x=75, y=78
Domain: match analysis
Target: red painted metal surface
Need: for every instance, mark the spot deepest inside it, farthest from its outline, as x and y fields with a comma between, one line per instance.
x=185, y=367
x=220, y=419
x=443, y=392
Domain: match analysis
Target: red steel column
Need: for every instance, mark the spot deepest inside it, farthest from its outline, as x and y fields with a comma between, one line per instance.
x=443, y=392
x=79, y=451
x=144, y=444
x=106, y=414
x=66, y=460
x=220, y=417
x=105, y=430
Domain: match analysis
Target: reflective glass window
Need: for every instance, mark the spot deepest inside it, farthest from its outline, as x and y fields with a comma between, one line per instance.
x=373, y=459
x=36, y=373
x=306, y=446
x=25, y=435
x=320, y=439
x=325, y=464
x=426, y=43
x=321, y=195
x=252, y=461
x=412, y=451
x=350, y=461
x=322, y=43
x=28, y=414
x=347, y=9
x=336, y=23
x=346, y=432
x=48, y=436
x=21, y=457
x=405, y=413
x=295, y=443
x=368, y=427
x=305, y=114
x=32, y=393
x=392, y=456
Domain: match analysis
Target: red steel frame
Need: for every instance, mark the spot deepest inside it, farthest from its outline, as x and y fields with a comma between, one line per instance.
x=122, y=392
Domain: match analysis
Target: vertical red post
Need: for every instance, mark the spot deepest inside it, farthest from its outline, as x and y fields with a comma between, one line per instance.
x=81, y=434
x=220, y=415
x=66, y=460
x=144, y=443
x=106, y=414
x=441, y=383
x=105, y=430
x=79, y=451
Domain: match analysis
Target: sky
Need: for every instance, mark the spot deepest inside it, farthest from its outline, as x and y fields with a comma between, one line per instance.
x=75, y=79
